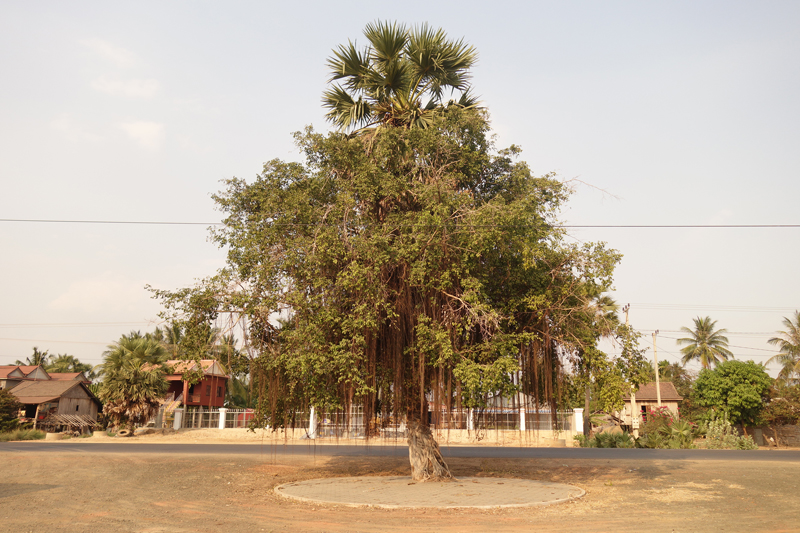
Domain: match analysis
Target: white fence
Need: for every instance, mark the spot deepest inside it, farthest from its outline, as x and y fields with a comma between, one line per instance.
x=318, y=424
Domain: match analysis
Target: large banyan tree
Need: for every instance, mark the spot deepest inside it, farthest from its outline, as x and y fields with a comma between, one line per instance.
x=403, y=269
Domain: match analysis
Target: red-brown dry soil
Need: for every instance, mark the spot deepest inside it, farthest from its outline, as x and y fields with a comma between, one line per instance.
x=68, y=491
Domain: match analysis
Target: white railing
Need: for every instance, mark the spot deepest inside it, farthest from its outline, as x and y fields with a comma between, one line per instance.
x=320, y=424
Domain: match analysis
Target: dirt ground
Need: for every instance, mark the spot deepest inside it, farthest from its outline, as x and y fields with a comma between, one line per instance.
x=76, y=491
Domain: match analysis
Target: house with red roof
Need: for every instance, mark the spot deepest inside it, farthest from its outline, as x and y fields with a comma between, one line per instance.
x=10, y=376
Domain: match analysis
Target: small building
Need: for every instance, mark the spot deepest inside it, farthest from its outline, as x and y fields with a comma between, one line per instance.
x=62, y=397
x=647, y=399
x=10, y=376
x=208, y=392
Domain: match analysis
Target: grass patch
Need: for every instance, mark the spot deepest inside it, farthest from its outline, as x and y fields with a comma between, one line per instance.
x=22, y=434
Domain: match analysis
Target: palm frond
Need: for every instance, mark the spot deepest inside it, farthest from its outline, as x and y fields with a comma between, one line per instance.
x=346, y=112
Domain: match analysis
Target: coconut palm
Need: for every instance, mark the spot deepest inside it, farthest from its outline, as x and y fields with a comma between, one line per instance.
x=789, y=344
x=171, y=337
x=69, y=363
x=704, y=344
x=38, y=358
x=387, y=82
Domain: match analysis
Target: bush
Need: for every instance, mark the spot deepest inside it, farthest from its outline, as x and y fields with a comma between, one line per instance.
x=9, y=409
x=720, y=436
x=22, y=434
x=606, y=440
x=663, y=429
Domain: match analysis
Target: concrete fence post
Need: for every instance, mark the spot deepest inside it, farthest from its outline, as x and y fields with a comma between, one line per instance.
x=470, y=423
x=223, y=415
x=177, y=422
x=522, y=422
x=578, y=420
x=312, y=424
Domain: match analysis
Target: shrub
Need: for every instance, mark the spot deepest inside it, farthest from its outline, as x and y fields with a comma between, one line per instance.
x=720, y=436
x=9, y=409
x=22, y=434
x=606, y=440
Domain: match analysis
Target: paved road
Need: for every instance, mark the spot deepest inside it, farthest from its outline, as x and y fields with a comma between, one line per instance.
x=506, y=452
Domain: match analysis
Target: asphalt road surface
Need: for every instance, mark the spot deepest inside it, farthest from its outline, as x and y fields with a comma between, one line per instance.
x=505, y=452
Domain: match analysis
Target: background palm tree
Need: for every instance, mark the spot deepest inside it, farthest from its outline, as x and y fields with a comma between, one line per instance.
x=704, y=344
x=789, y=344
x=69, y=363
x=38, y=358
x=386, y=82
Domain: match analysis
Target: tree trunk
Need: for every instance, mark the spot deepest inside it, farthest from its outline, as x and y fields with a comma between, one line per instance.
x=427, y=463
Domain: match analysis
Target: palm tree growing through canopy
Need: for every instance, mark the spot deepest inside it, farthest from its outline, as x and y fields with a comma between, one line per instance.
x=704, y=344
x=388, y=81
x=788, y=342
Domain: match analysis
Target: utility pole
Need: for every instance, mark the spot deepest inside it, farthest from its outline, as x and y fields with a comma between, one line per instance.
x=634, y=410
x=655, y=357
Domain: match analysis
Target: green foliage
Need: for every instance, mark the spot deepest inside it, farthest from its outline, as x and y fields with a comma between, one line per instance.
x=133, y=379
x=783, y=407
x=9, y=409
x=609, y=379
x=721, y=436
x=69, y=363
x=736, y=388
x=665, y=429
x=606, y=440
x=409, y=262
x=704, y=344
x=22, y=434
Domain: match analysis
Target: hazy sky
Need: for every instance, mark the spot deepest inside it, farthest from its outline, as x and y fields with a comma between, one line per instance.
x=684, y=112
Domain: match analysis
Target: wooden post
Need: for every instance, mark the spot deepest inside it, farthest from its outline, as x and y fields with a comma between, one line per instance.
x=655, y=357
x=36, y=417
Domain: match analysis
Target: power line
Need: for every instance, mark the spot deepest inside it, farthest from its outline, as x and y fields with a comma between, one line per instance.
x=74, y=324
x=48, y=340
x=563, y=226
x=705, y=307
x=135, y=222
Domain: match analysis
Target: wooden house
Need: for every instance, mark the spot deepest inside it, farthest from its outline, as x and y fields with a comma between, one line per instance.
x=647, y=399
x=62, y=397
x=208, y=392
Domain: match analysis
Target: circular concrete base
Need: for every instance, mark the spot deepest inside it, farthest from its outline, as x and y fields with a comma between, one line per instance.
x=400, y=492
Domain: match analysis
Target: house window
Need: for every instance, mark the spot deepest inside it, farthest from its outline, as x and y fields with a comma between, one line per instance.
x=219, y=392
x=77, y=408
x=208, y=390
